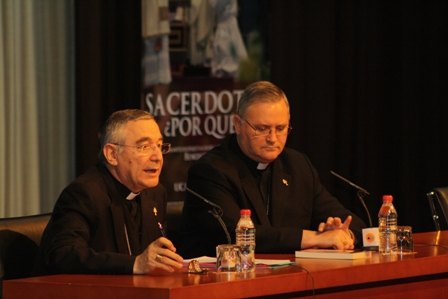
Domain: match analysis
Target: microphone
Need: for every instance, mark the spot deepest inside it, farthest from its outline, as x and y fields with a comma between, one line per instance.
x=361, y=193
x=216, y=211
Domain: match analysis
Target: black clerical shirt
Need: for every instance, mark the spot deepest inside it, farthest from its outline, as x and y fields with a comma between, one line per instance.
x=133, y=218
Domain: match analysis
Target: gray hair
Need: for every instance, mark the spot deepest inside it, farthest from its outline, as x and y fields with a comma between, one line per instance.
x=260, y=92
x=112, y=129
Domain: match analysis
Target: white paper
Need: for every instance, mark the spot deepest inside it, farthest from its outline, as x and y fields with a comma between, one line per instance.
x=268, y=262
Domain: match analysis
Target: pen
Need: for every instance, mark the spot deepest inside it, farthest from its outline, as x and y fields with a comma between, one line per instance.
x=162, y=230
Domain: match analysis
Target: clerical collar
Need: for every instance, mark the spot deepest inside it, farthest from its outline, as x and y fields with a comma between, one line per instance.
x=262, y=166
x=132, y=195
x=254, y=166
x=121, y=191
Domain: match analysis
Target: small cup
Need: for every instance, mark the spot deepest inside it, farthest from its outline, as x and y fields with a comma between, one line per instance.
x=228, y=258
x=405, y=242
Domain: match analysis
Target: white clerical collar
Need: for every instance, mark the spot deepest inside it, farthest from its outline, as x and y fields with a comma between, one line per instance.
x=132, y=195
x=262, y=166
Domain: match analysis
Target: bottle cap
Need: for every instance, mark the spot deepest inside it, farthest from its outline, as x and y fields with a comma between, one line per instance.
x=388, y=198
x=245, y=212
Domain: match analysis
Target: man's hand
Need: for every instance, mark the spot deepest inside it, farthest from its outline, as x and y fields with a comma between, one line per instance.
x=335, y=223
x=330, y=234
x=160, y=254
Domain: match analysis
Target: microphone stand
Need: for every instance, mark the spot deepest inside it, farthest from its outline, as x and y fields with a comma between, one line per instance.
x=361, y=193
x=216, y=211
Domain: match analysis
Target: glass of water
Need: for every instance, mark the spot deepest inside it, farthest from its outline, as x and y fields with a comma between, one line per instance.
x=405, y=243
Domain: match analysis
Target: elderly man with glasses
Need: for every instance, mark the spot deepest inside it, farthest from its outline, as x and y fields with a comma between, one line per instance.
x=110, y=219
x=252, y=169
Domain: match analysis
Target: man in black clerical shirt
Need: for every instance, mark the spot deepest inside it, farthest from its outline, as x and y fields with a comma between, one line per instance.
x=252, y=169
x=107, y=220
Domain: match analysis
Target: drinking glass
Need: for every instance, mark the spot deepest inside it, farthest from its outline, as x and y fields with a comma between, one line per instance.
x=405, y=243
x=228, y=258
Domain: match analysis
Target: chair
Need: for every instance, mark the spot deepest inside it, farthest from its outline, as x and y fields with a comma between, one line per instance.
x=19, y=241
x=438, y=203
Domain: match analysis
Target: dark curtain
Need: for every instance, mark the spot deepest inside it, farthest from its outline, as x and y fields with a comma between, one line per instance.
x=368, y=90
x=108, y=57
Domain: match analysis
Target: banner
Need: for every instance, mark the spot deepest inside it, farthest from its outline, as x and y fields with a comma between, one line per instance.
x=193, y=121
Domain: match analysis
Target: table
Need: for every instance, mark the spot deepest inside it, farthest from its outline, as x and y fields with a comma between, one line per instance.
x=423, y=275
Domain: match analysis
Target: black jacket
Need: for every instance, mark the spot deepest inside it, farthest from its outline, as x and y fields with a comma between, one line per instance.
x=86, y=233
x=226, y=177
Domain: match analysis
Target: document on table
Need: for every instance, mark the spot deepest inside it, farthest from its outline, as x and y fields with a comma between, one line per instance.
x=266, y=262
x=273, y=263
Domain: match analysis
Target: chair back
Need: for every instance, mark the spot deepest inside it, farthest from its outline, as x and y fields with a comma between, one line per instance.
x=19, y=242
x=438, y=203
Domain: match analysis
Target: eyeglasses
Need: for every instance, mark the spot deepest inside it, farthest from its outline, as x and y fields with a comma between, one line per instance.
x=151, y=147
x=266, y=130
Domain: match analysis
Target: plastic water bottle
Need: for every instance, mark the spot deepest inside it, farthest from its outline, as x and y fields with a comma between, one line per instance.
x=387, y=225
x=245, y=239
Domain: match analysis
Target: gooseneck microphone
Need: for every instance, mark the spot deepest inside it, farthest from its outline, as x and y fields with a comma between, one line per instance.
x=216, y=211
x=361, y=193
